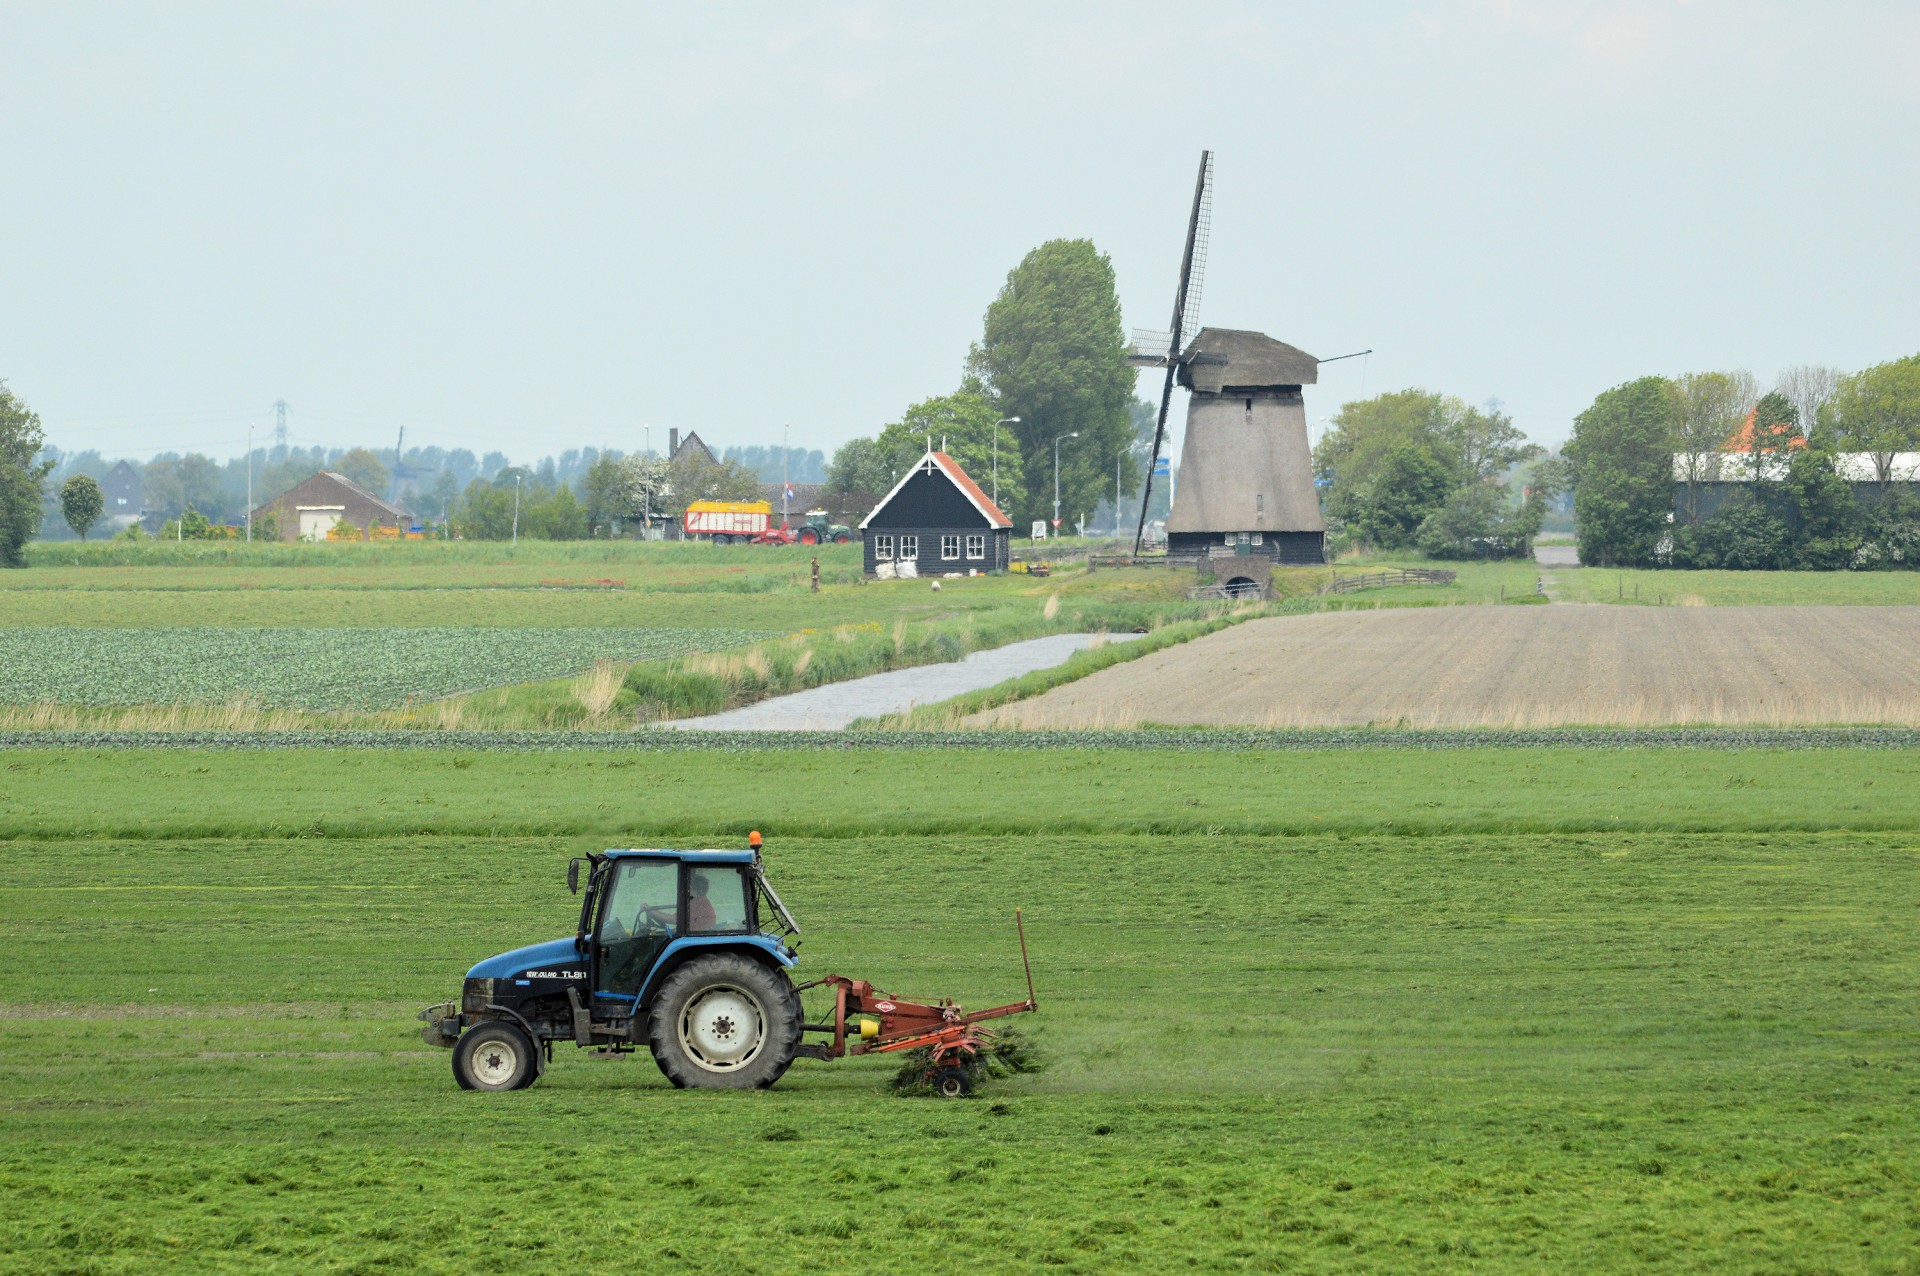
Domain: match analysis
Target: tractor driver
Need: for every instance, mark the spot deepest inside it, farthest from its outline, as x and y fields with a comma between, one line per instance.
x=700, y=913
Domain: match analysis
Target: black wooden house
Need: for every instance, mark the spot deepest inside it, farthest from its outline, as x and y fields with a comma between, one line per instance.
x=939, y=520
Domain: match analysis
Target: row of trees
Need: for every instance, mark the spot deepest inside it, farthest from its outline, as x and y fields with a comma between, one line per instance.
x=1050, y=365
x=1419, y=470
x=1784, y=470
x=434, y=483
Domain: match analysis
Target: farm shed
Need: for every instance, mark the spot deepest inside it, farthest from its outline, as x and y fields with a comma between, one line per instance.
x=939, y=520
x=1246, y=472
x=310, y=508
x=1704, y=482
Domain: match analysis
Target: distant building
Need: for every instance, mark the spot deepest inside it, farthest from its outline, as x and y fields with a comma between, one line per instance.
x=123, y=492
x=806, y=496
x=1703, y=482
x=311, y=508
x=939, y=520
x=691, y=446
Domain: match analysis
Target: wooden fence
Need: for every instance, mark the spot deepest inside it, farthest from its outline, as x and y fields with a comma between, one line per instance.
x=1379, y=580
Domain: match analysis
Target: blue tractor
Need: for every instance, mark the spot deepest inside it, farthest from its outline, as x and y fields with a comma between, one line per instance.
x=687, y=953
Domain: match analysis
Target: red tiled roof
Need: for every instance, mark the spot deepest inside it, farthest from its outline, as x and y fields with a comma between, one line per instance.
x=972, y=489
x=1741, y=440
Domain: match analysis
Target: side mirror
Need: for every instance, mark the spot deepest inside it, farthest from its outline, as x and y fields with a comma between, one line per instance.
x=573, y=876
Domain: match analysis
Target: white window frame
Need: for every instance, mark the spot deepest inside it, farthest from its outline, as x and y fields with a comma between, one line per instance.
x=976, y=548
x=950, y=548
x=883, y=549
x=910, y=547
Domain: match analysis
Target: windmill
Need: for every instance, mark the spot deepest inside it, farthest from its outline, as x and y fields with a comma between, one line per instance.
x=1246, y=501
x=1156, y=349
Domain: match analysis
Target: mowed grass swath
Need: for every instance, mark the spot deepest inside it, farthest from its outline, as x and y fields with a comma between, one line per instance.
x=1511, y=1051
x=695, y=793
x=318, y=669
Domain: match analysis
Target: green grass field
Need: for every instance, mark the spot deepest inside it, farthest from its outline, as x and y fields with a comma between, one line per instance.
x=1738, y=589
x=1488, y=1010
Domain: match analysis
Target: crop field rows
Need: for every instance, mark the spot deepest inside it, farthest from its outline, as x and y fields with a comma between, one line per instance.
x=314, y=668
x=1519, y=668
x=1344, y=1048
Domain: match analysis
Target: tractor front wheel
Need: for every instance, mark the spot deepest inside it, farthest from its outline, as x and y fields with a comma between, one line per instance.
x=843, y=539
x=495, y=1056
x=724, y=1022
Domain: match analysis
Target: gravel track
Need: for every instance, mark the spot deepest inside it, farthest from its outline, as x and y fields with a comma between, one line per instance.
x=1512, y=668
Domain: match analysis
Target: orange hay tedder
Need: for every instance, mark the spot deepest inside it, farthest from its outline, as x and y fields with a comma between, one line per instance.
x=868, y=1021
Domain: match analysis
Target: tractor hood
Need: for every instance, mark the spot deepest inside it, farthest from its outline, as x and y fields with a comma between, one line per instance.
x=553, y=953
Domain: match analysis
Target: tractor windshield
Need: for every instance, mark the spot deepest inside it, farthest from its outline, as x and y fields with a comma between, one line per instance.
x=788, y=925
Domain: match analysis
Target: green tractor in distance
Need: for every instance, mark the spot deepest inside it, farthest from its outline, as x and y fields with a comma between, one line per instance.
x=817, y=530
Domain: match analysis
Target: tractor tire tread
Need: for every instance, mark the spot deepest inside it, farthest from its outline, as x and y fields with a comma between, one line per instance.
x=779, y=1003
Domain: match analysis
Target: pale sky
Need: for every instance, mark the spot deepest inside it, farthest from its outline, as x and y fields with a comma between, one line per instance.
x=530, y=227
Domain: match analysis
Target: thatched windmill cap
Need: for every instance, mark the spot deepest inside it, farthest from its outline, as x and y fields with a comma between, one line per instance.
x=1233, y=358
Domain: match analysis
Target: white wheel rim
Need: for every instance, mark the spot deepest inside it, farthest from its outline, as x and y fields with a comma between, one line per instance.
x=722, y=1028
x=495, y=1063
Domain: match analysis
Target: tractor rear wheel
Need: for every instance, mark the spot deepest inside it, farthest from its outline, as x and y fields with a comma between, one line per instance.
x=495, y=1056
x=808, y=536
x=724, y=1022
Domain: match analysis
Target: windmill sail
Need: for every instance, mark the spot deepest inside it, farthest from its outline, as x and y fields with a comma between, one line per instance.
x=1186, y=318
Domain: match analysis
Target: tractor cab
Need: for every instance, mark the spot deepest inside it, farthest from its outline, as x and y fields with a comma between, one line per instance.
x=645, y=910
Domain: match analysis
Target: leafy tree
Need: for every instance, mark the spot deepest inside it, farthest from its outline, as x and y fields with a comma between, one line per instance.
x=81, y=501
x=440, y=497
x=1878, y=411
x=557, y=515
x=599, y=489
x=1707, y=410
x=1487, y=443
x=1810, y=388
x=692, y=477
x=364, y=468
x=21, y=471
x=642, y=489
x=1053, y=354
x=1395, y=459
x=1743, y=535
x=1410, y=484
x=962, y=425
x=861, y=473
x=1890, y=533
x=1622, y=458
x=484, y=512
x=1827, y=531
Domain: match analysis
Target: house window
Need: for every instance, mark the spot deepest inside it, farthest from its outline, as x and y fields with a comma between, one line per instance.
x=1257, y=536
x=882, y=548
x=976, y=547
x=949, y=548
x=910, y=547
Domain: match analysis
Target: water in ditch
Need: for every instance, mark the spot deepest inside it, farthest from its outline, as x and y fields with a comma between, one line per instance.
x=837, y=704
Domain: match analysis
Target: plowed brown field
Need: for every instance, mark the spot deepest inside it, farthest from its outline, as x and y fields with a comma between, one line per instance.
x=1513, y=666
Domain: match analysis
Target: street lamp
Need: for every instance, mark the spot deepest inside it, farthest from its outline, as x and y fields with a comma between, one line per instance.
x=1058, y=440
x=516, y=510
x=1005, y=420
